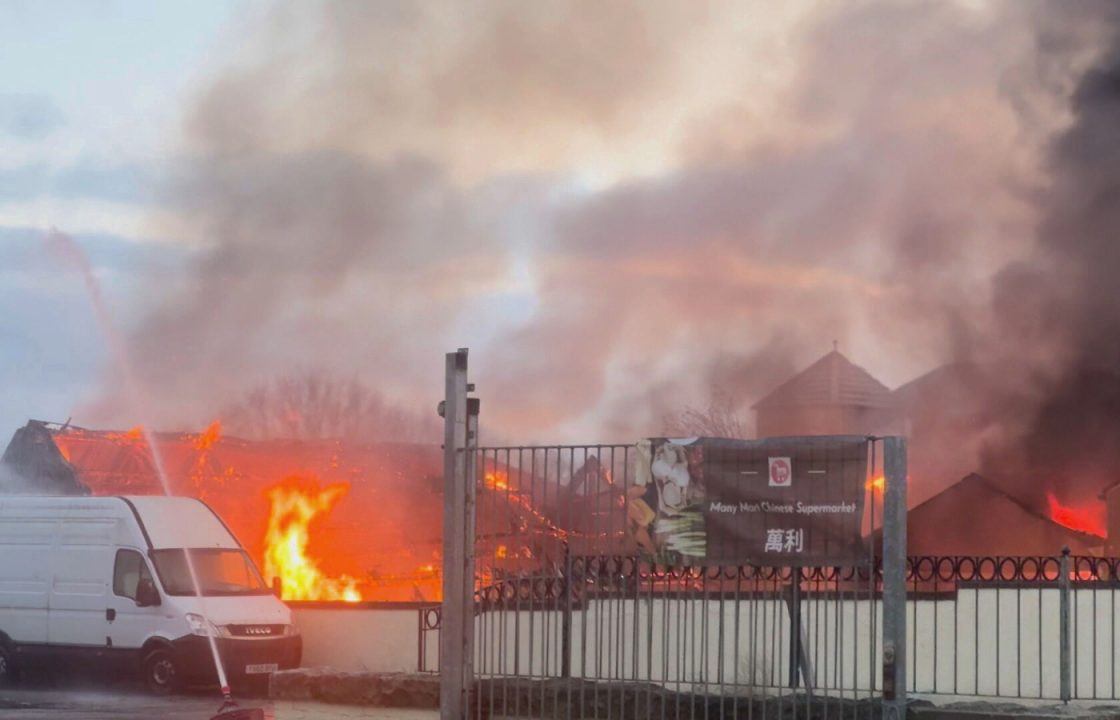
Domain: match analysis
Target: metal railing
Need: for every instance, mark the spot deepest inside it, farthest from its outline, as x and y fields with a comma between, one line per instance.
x=563, y=600
x=1023, y=627
x=427, y=639
x=1014, y=627
x=572, y=589
x=557, y=603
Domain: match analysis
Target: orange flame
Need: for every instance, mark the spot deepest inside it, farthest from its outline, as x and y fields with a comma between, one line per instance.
x=134, y=433
x=294, y=504
x=1086, y=518
x=209, y=436
x=496, y=480
x=499, y=480
x=877, y=483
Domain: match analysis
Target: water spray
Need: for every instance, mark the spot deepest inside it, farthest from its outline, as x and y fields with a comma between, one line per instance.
x=65, y=246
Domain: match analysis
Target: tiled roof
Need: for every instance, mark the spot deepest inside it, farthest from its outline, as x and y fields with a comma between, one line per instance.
x=975, y=517
x=832, y=380
x=975, y=493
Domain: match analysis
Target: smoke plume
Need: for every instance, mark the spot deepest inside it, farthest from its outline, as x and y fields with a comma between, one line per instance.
x=1061, y=417
x=622, y=206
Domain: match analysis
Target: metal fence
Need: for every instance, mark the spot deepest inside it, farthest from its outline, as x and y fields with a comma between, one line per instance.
x=551, y=610
x=567, y=618
x=978, y=626
x=563, y=593
x=1014, y=627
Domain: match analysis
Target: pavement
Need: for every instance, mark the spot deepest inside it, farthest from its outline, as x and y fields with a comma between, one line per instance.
x=20, y=703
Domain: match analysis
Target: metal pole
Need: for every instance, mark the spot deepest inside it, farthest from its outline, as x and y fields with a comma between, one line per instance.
x=566, y=618
x=471, y=474
x=894, y=579
x=420, y=648
x=453, y=626
x=1063, y=627
x=793, y=601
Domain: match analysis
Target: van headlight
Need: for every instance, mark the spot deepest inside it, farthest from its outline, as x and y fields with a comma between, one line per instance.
x=199, y=625
x=291, y=630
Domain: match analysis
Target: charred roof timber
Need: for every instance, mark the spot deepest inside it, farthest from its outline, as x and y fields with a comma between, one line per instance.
x=32, y=463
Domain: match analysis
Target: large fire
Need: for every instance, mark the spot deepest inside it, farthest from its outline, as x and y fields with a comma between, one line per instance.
x=1089, y=518
x=331, y=519
x=294, y=504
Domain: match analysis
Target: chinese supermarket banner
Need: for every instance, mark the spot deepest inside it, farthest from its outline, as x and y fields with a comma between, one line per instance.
x=781, y=501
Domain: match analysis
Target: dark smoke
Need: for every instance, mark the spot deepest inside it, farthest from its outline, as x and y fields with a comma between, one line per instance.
x=1064, y=421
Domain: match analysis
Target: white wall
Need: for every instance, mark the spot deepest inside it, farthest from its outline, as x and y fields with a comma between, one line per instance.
x=989, y=642
x=359, y=638
x=687, y=643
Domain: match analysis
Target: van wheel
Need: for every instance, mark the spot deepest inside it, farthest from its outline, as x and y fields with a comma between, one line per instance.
x=7, y=667
x=161, y=672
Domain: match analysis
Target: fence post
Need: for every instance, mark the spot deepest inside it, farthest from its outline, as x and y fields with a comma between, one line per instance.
x=421, y=647
x=793, y=601
x=455, y=623
x=566, y=617
x=894, y=578
x=1063, y=625
x=470, y=473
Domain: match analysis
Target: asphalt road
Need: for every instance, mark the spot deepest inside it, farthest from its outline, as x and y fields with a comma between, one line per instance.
x=29, y=703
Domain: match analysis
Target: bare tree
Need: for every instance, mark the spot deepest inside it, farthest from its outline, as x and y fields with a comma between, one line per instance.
x=720, y=418
x=316, y=405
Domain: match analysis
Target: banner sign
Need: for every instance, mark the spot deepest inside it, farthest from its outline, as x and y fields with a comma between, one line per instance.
x=780, y=501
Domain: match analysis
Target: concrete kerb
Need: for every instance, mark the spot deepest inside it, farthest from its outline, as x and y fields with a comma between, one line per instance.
x=987, y=710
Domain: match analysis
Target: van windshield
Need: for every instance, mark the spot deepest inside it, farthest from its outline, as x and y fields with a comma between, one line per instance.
x=220, y=572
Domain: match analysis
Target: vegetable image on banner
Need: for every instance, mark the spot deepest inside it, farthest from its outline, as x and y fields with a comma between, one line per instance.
x=780, y=501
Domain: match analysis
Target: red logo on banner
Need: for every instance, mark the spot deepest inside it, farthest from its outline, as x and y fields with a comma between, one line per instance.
x=781, y=472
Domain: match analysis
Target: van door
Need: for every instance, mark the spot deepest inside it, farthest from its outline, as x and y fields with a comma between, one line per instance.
x=81, y=568
x=131, y=624
x=26, y=547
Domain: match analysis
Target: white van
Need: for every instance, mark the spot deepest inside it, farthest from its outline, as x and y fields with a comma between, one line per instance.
x=105, y=580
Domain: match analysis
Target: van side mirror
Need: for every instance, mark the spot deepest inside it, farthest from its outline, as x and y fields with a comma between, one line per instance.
x=146, y=594
x=277, y=586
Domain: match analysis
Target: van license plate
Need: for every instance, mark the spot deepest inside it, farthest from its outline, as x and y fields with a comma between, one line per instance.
x=260, y=669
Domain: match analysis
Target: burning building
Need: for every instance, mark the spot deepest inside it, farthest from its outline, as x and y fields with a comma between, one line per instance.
x=954, y=510
x=334, y=520
x=347, y=521
x=975, y=517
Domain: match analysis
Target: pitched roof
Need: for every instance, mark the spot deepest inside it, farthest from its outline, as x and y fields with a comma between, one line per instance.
x=974, y=515
x=832, y=380
x=956, y=385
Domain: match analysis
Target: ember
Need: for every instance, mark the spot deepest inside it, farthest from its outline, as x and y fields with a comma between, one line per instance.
x=294, y=503
x=1084, y=518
